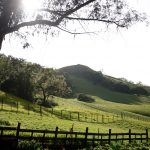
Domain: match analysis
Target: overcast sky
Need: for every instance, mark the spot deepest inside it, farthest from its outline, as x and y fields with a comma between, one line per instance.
x=119, y=53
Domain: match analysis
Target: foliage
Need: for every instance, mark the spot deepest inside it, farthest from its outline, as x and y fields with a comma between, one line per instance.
x=6, y=123
x=119, y=146
x=48, y=82
x=140, y=90
x=47, y=103
x=28, y=80
x=60, y=13
x=85, y=98
x=28, y=145
x=18, y=77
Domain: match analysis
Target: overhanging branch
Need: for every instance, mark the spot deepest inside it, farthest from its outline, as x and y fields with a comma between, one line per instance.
x=30, y=23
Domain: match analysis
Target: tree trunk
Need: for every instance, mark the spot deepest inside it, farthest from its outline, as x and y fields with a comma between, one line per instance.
x=44, y=95
x=1, y=40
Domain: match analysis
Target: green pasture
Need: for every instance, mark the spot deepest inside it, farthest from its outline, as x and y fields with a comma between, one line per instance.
x=9, y=115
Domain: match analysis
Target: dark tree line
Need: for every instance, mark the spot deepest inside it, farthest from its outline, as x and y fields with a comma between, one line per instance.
x=31, y=81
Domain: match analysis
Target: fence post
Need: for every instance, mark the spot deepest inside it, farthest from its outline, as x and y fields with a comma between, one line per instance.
x=147, y=135
x=86, y=134
x=129, y=135
x=98, y=133
x=109, y=140
x=43, y=138
x=93, y=143
x=17, y=132
x=56, y=133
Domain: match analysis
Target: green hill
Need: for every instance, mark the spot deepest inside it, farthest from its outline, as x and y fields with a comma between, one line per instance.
x=111, y=108
x=85, y=80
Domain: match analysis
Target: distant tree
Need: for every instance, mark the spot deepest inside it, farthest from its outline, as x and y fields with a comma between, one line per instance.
x=121, y=87
x=85, y=98
x=59, y=14
x=47, y=83
x=139, y=90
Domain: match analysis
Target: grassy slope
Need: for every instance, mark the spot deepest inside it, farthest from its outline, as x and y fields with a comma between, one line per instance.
x=48, y=121
x=112, y=100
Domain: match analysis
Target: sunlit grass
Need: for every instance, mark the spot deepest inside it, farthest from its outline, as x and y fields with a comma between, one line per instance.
x=35, y=120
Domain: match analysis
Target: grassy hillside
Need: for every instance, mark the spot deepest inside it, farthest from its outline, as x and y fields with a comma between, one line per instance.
x=98, y=80
x=82, y=85
x=111, y=109
x=33, y=119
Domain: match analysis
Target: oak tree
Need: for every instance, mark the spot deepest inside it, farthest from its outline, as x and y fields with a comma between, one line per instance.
x=60, y=13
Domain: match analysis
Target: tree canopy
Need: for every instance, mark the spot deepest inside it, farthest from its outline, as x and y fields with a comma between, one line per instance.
x=31, y=81
x=59, y=13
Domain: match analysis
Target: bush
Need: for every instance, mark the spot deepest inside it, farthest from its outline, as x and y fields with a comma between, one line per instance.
x=3, y=122
x=85, y=98
x=119, y=146
x=47, y=103
x=28, y=145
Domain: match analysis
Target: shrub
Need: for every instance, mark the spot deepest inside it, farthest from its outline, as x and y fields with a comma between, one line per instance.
x=47, y=103
x=3, y=122
x=85, y=98
x=28, y=145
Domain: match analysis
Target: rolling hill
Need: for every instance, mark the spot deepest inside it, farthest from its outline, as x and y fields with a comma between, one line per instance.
x=109, y=103
x=85, y=80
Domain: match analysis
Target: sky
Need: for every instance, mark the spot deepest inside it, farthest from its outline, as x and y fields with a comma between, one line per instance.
x=122, y=53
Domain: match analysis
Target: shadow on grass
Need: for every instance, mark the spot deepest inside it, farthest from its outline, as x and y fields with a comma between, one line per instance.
x=109, y=95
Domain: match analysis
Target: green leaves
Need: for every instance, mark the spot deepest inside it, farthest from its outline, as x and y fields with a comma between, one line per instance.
x=48, y=82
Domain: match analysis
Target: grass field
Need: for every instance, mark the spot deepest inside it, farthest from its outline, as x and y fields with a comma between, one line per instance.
x=10, y=116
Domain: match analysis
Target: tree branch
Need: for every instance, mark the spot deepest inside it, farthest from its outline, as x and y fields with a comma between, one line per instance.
x=30, y=23
x=69, y=12
x=65, y=30
x=60, y=13
x=100, y=20
x=46, y=22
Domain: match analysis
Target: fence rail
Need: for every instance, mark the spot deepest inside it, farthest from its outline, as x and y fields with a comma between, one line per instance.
x=64, y=138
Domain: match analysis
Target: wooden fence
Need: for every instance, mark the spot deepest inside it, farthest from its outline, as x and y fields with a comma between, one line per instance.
x=63, y=114
x=69, y=115
x=70, y=138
